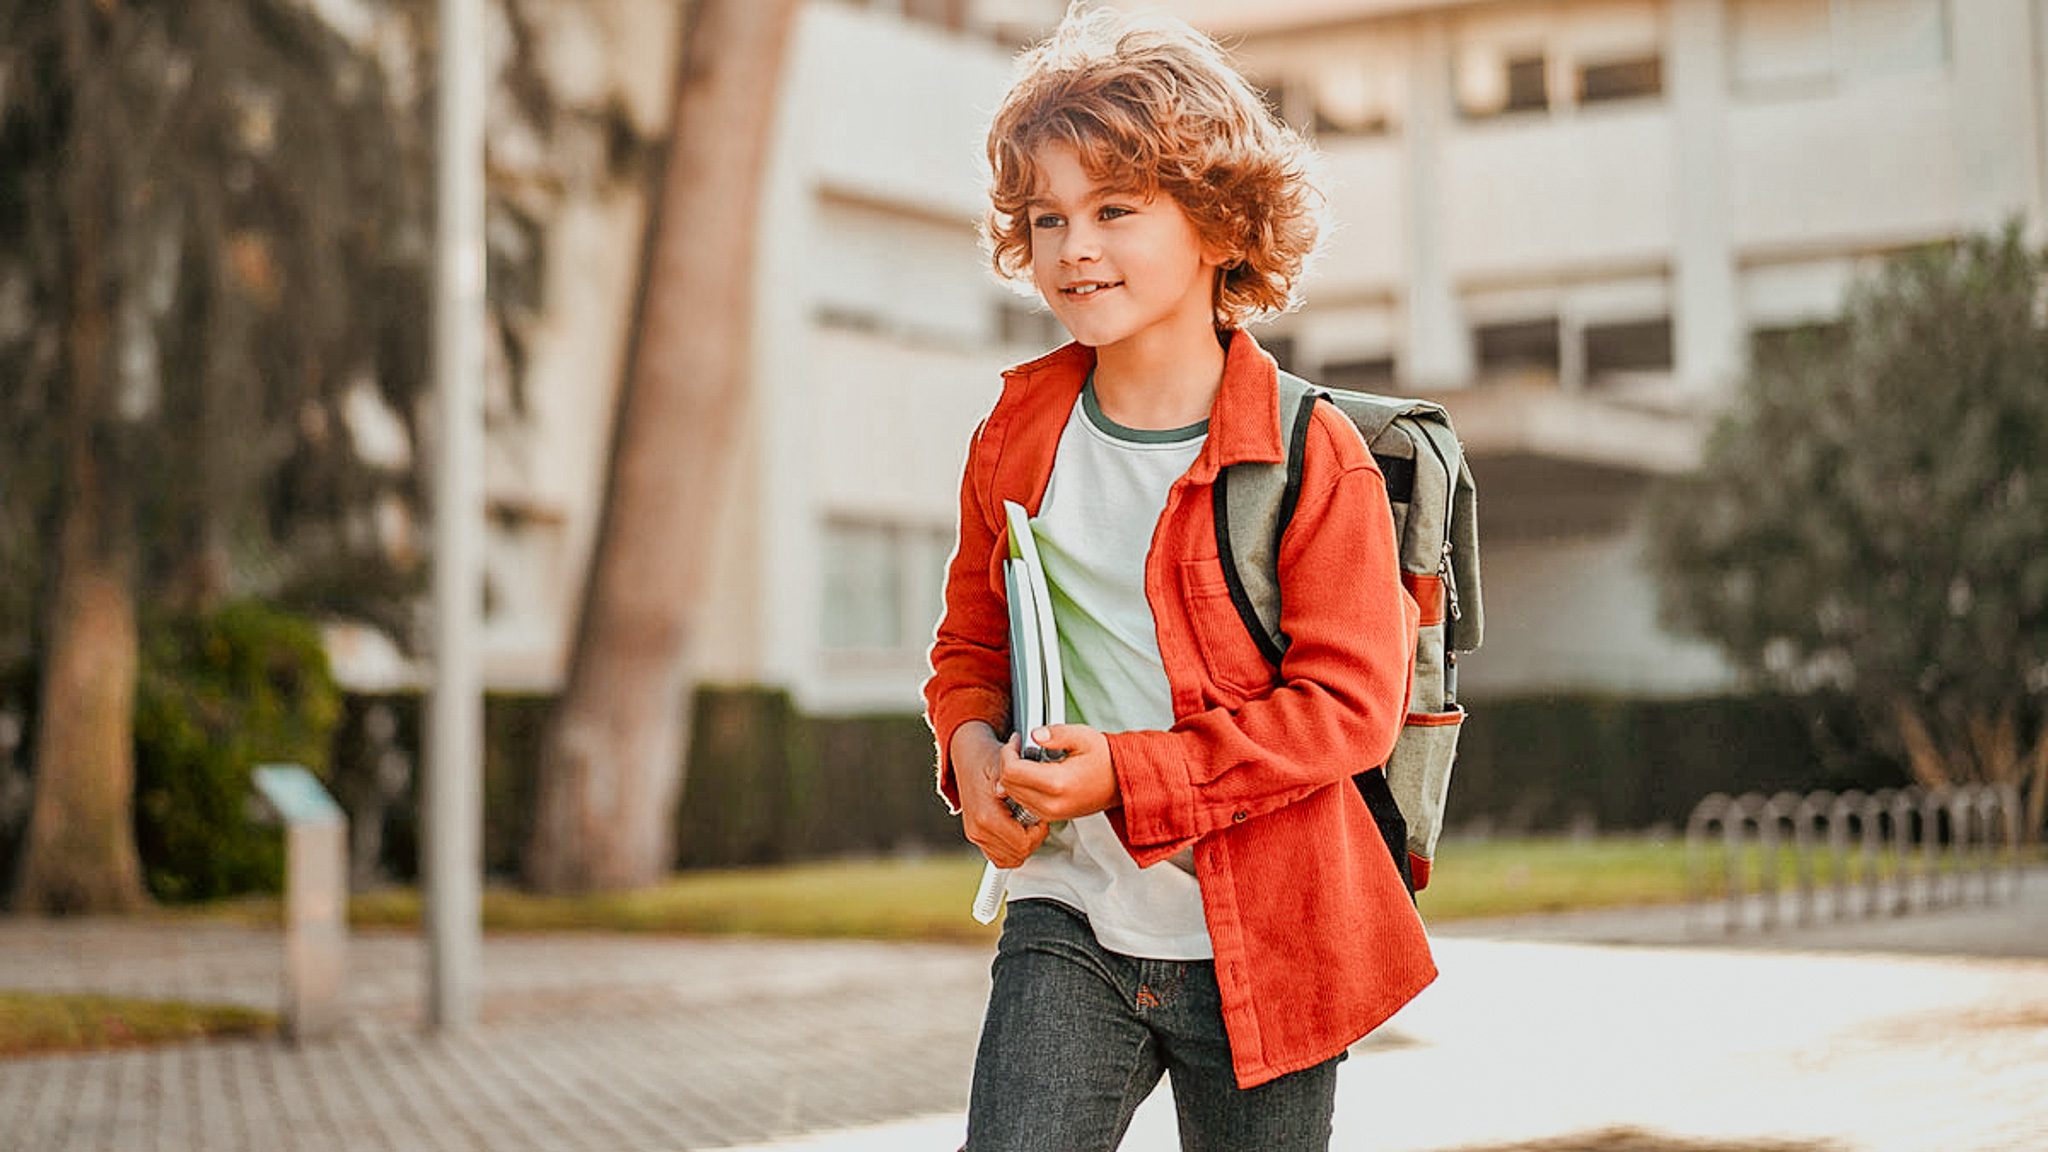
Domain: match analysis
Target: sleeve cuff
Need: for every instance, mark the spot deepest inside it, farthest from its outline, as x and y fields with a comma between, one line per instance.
x=1157, y=813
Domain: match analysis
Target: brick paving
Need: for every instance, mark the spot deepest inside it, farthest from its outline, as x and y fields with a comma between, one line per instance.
x=583, y=1042
x=1896, y=1035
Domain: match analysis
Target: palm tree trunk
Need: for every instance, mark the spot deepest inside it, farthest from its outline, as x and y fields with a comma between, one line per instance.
x=611, y=765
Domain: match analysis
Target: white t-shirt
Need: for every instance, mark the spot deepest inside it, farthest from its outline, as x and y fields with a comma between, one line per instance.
x=1094, y=529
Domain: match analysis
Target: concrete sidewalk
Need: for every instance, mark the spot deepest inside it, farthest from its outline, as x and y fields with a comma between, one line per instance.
x=1922, y=1032
x=1694, y=1051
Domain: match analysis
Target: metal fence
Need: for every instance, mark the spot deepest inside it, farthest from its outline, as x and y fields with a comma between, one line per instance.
x=1853, y=854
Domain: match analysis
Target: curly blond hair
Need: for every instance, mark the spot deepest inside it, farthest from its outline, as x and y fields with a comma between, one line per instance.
x=1152, y=106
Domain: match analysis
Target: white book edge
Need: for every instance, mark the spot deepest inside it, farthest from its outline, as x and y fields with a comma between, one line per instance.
x=988, y=900
x=1037, y=689
x=1051, y=687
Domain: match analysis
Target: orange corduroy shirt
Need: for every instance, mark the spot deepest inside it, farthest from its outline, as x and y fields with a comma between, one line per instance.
x=1316, y=940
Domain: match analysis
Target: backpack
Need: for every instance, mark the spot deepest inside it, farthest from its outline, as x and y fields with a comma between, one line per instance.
x=1437, y=537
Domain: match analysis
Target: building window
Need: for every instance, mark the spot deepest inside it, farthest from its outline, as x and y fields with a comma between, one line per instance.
x=1494, y=80
x=1635, y=346
x=1366, y=374
x=1621, y=80
x=1520, y=351
x=1494, y=83
x=1779, y=44
x=1020, y=321
x=1776, y=43
x=1553, y=57
x=1528, y=87
x=846, y=319
x=1773, y=346
x=1352, y=99
x=1884, y=36
x=1281, y=349
x=882, y=585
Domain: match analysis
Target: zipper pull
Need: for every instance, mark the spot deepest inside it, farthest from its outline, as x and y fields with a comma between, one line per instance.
x=1443, y=570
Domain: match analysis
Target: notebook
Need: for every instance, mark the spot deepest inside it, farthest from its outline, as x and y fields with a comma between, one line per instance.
x=1037, y=693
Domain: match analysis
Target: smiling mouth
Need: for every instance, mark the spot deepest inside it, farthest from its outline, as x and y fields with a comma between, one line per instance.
x=1090, y=288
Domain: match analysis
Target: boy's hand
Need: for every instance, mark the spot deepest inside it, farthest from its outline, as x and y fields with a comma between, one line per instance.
x=979, y=761
x=1080, y=783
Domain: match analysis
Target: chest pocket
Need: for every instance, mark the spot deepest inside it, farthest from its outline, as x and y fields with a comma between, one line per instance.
x=1228, y=652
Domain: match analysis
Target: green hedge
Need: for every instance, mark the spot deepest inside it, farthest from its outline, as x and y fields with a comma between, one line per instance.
x=767, y=783
x=217, y=695
x=1549, y=763
x=18, y=695
x=369, y=787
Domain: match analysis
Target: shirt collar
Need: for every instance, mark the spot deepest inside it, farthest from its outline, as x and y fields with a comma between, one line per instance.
x=1244, y=423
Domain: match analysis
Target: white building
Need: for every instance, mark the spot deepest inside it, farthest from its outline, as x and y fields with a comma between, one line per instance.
x=1568, y=218
x=881, y=339
x=1577, y=215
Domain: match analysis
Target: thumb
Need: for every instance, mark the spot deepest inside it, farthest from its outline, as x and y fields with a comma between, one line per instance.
x=1062, y=738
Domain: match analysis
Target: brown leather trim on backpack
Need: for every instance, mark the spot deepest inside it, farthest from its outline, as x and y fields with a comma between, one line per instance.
x=1427, y=589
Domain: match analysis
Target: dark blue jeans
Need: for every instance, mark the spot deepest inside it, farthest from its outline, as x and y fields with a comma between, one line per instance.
x=1077, y=1036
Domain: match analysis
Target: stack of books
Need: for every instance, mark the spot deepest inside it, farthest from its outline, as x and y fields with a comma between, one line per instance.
x=1037, y=693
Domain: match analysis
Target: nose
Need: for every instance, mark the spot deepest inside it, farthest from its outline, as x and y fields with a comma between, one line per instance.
x=1079, y=245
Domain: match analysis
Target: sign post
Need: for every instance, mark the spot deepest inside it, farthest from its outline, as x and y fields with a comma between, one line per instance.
x=315, y=898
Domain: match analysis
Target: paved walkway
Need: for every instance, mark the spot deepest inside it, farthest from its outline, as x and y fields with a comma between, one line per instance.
x=1915, y=1033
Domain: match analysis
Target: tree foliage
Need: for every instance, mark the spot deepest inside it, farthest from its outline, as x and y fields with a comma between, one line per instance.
x=255, y=237
x=215, y=230
x=219, y=694
x=1872, y=514
x=214, y=262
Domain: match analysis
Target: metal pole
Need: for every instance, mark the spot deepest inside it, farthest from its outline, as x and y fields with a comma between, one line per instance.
x=454, y=776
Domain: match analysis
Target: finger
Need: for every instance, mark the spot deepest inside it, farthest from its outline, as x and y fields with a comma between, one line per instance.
x=1006, y=850
x=1013, y=754
x=1011, y=847
x=1010, y=855
x=1062, y=739
x=1025, y=786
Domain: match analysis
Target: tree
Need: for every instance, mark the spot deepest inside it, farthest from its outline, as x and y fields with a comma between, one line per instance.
x=611, y=762
x=212, y=251
x=214, y=231
x=1872, y=515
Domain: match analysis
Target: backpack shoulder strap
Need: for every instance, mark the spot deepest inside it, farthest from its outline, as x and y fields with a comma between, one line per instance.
x=1254, y=502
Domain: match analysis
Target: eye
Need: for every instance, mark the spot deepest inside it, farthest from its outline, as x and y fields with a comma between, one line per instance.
x=1112, y=211
x=1048, y=220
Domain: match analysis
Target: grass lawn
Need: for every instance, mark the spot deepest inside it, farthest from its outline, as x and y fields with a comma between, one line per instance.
x=916, y=899
x=33, y=1023
x=926, y=898
x=1519, y=876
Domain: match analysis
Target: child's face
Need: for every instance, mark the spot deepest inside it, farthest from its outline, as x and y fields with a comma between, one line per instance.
x=1120, y=271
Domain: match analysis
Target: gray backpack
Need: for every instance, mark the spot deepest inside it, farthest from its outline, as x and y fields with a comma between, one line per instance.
x=1437, y=534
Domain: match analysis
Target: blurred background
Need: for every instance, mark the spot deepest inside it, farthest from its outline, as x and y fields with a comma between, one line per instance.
x=1594, y=229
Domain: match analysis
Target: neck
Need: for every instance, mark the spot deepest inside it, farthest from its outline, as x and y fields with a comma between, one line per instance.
x=1159, y=389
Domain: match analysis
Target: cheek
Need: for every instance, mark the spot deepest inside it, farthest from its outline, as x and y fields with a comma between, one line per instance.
x=1044, y=262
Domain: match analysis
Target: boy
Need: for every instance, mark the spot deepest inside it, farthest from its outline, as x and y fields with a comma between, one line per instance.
x=1206, y=896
